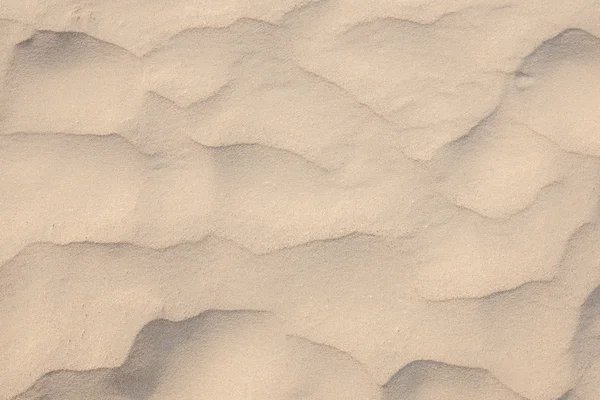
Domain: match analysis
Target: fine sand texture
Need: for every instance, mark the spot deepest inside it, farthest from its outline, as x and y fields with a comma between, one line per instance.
x=299, y=200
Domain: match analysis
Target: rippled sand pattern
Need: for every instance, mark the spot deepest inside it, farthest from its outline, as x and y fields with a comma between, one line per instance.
x=326, y=200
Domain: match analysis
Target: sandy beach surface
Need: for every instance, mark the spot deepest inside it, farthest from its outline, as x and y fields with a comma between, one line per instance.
x=299, y=200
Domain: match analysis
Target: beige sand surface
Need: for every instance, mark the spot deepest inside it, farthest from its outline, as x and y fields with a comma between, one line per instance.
x=326, y=200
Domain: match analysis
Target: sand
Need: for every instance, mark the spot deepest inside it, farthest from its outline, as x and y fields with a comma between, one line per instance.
x=333, y=200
